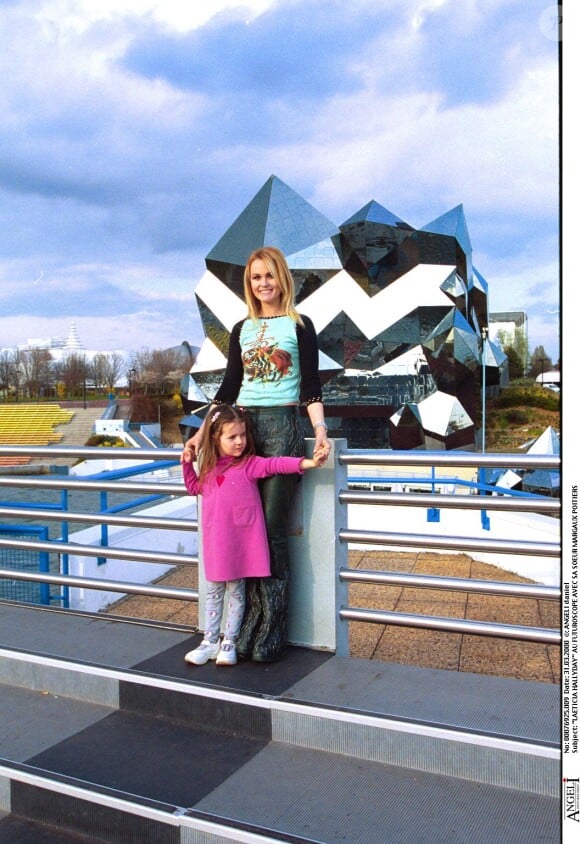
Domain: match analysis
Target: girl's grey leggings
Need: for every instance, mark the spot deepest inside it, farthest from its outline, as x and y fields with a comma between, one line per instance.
x=214, y=607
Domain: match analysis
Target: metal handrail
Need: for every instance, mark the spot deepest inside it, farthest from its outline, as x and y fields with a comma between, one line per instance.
x=457, y=543
x=540, y=635
x=347, y=458
x=537, y=504
x=153, y=456
x=533, y=504
x=156, y=522
x=154, y=591
x=57, y=547
x=496, y=460
x=130, y=487
x=86, y=452
x=452, y=584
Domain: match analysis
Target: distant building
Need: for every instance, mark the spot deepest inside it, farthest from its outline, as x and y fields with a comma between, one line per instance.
x=551, y=378
x=504, y=324
x=60, y=347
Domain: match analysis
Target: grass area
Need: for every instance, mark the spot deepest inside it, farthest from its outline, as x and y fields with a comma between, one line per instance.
x=518, y=415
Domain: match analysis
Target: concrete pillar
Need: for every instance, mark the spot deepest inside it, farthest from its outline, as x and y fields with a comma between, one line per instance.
x=316, y=556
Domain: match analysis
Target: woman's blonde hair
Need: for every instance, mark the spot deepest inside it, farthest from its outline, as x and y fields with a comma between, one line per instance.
x=220, y=415
x=277, y=265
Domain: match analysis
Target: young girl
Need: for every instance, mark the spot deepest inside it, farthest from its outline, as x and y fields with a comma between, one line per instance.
x=235, y=544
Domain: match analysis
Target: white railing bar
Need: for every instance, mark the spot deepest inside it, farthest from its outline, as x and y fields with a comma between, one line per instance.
x=508, y=546
x=156, y=488
x=131, y=520
x=116, y=553
x=363, y=457
x=454, y=584
x=350, y=457
x=91, y=452
x=461, y=502
x=453, y=625
x=103, y=585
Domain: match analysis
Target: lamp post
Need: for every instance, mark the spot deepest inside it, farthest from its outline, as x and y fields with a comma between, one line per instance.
x=482, y=473
x=483, y=387
x=542, y=362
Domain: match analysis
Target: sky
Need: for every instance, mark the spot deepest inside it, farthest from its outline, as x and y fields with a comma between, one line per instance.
x=134, y=132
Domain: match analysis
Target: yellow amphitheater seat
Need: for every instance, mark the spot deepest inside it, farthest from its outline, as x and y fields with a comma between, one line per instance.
x=30, y=424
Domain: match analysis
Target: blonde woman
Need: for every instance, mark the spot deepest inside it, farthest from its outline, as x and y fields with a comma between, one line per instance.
x=272, y=368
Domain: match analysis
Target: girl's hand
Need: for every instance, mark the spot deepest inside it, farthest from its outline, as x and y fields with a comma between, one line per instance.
x=308, y=463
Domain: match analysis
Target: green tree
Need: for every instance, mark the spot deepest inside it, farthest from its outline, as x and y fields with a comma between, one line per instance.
x=540, y=362
x=520, y=344
x=515, y=363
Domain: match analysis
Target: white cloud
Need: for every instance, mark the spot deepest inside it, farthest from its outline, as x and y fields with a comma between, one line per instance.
x=77, y=16
x=126, y=174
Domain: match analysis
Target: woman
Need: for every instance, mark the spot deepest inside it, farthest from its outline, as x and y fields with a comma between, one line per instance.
x=272, y=366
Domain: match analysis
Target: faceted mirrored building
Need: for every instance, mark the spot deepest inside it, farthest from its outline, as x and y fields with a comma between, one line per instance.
x=398, y=312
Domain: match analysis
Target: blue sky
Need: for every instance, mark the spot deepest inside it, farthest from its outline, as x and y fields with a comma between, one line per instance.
x=135, y=131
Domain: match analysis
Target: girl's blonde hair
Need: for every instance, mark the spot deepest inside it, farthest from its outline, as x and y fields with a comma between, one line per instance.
x=220, y=415
x=277, y=265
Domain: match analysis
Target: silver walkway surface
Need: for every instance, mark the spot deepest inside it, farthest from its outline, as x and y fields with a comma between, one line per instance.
x=108, y=735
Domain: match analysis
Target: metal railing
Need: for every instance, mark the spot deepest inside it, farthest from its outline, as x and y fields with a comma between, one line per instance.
x=154, y=457
x=502, y=503
x=346, y=458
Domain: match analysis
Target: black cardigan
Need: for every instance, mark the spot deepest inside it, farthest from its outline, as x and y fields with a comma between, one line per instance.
x=310, y=388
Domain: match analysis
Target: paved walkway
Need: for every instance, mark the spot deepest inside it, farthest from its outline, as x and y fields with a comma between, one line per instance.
x=77, y=431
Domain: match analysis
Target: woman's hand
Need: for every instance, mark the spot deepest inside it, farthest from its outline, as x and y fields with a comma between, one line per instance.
x=190, y=448
x=321, y=445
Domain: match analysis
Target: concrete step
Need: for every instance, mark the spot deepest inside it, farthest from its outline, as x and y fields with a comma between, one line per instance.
x=109, y=724
x=123, y=776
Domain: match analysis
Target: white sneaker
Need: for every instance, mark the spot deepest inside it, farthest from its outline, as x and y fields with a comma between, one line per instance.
x=227, y=654
x=205, y=651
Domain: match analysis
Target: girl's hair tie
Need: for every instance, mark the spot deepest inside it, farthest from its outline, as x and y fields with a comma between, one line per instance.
x=214, y=417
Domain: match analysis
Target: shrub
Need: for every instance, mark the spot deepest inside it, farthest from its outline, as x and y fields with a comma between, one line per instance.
x=105, y=441
x=529, y=397
x=518, y=416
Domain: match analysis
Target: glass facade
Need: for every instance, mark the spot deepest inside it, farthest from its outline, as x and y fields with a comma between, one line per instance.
x=398, y=311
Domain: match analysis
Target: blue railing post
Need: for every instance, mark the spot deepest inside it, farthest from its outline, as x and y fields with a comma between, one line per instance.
x=433, y=513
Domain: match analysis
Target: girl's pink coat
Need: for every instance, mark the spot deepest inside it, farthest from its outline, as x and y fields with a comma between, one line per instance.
x=234, y=538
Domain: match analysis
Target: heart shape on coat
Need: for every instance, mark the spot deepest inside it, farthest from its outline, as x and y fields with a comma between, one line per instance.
x=220, y=479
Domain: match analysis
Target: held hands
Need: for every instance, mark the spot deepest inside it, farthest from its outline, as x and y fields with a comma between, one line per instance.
x=312, y=463
x=321, y=446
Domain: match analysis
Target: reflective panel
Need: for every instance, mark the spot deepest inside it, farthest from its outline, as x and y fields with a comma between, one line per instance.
x=398, y=312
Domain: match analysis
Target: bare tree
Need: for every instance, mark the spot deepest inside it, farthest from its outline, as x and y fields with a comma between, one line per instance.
x=36, y=370
x=158, y=371
x=97, y=370
x=10, y=375
x=73, y=371
x=114, y=368
x=106, y=369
